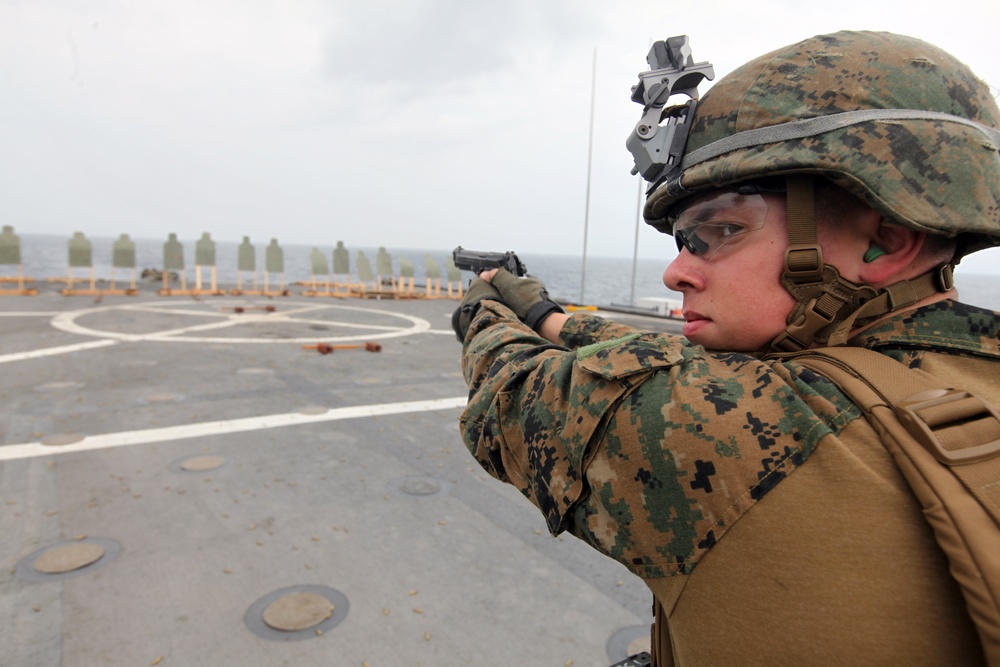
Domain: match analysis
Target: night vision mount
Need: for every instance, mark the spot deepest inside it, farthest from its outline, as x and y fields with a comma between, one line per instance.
x=657, y=149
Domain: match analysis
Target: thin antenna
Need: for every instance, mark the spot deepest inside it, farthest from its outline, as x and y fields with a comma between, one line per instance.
x=590, y=154
x=635, y=248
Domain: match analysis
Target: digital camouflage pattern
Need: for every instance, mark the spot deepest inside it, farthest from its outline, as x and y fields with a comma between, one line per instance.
x=933, y=175
x=949, y=324
x=650, y=448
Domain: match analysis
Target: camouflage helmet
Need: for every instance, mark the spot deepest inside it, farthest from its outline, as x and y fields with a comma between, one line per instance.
x=893, y=120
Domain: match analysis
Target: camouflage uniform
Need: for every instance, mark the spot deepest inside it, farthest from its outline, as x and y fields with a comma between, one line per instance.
x=736, y=488
x=750, y=494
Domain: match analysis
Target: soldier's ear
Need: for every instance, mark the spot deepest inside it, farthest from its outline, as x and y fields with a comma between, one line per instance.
x=873, y=253
x=900, y=247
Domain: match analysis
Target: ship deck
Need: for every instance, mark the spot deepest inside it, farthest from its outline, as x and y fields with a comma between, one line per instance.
x=216, y=467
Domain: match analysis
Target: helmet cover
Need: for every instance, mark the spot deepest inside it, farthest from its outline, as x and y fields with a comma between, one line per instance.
x=923, y=165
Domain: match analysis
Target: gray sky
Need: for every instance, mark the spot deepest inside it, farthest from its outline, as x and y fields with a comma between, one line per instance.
x=418, y=123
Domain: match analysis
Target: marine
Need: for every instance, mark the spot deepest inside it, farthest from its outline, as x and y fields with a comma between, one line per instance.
x=821, y=197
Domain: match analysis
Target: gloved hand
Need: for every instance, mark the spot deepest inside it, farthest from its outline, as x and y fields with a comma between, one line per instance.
x=527, y=297
x=478, y=290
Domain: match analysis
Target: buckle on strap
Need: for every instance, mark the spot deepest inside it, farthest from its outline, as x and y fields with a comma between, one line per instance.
x=951, y=409
x=944, y=277
x=804, y=263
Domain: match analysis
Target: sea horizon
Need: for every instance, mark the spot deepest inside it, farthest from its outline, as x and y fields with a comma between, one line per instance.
x=608, y=280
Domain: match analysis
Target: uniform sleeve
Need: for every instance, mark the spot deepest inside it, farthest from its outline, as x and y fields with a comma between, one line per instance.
x=583, y=329
x=535, y=408
x=642, y=445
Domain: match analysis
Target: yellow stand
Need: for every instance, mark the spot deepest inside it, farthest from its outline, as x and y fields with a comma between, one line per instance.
x=166, y=290
x=128, y=291
x=69, y=291
x=239, y=291
x=281, y=290
x=214, y=291
x=433, y=288
x=20, y=279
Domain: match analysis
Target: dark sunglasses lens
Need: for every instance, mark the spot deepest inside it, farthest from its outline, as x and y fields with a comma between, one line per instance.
x=690, y=241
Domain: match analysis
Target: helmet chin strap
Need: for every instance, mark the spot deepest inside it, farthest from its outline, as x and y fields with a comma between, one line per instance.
x=827, y=305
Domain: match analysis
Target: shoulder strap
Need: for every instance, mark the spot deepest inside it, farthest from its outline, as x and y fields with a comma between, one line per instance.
x=947, y=444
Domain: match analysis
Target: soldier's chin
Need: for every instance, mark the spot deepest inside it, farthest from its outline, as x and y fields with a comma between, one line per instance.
x=695, y=330
x=707, y=334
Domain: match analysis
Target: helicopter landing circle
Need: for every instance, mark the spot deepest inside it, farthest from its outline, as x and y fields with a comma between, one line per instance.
x=289, y=315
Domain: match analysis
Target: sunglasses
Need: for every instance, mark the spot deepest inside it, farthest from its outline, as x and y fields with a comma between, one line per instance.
x=708, y=224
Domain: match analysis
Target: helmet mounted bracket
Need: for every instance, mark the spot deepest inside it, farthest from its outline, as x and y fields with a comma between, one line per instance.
x=657, y=148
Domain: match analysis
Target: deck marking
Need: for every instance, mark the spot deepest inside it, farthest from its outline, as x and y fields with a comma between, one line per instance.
x=62, y=349
x=164, y=434
x=67, y=322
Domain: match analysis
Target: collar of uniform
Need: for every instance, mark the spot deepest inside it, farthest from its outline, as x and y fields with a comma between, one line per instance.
x=941, y=326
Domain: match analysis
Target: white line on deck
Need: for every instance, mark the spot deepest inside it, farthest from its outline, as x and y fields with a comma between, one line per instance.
x=146, y=436
x=62, y=349
x=67, y=322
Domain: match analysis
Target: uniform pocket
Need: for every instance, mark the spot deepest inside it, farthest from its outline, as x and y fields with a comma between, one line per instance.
x=551, y=420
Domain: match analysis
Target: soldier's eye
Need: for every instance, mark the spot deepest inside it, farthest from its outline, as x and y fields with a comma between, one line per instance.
x=710, y=223
x=705, y=239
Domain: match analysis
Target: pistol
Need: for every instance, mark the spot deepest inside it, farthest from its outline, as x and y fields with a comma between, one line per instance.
x=477, y=262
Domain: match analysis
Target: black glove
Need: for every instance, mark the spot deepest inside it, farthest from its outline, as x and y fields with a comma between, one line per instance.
x=478, y=290
x=525, y=296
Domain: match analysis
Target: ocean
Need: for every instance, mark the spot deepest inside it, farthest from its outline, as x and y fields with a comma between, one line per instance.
x=608, y=279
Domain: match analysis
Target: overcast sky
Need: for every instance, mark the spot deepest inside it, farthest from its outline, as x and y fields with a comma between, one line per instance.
x=418, y=123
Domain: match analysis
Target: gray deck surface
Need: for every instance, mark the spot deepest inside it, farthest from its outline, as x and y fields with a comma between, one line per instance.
x=342, y=472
